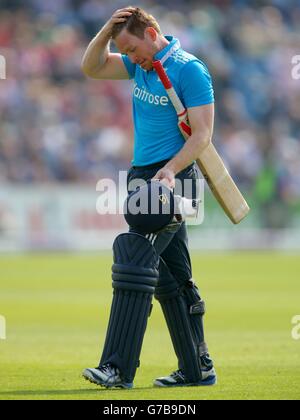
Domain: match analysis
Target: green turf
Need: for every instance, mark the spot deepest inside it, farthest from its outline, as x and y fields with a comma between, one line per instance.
x=57, y=307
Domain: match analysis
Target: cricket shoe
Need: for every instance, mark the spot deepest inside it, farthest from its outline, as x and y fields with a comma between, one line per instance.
x=106, y=375
x=177, y=378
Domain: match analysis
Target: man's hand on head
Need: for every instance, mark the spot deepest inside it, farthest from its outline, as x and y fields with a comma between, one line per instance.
x=119, y=16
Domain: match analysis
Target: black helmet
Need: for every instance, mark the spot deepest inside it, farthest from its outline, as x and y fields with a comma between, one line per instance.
x=150, y=207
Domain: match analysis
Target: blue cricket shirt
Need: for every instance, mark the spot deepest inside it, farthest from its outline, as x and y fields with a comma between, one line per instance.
x=156, y=134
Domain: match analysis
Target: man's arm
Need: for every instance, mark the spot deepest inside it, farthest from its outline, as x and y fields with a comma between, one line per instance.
x=201, y=119
x=98, y=62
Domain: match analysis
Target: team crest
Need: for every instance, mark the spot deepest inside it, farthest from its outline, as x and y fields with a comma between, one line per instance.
x=164, y=199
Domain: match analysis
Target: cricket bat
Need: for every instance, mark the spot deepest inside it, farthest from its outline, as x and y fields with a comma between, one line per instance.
x=210, y=163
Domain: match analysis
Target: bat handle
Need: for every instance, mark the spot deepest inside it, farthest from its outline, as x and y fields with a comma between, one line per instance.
x=162, y=74
x=181, y=111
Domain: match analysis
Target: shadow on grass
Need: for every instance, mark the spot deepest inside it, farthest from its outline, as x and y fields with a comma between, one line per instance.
x=71, y=391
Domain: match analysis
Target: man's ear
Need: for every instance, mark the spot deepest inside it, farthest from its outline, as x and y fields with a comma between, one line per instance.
x=151, y=33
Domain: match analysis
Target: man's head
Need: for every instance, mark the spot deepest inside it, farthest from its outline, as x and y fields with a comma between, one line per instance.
x=139, y=37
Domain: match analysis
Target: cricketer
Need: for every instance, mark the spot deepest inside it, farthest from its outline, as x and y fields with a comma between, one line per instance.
x=152, y=259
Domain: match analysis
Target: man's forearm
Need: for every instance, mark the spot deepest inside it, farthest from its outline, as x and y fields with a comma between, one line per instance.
x=97, y=51
x=191, y=151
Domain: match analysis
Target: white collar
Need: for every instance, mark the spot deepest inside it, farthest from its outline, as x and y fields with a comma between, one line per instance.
x=169, y=49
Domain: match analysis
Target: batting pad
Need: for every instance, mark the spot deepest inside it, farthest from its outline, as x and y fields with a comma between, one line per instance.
x=196, y=307
x=135, y=276
x=183, y=310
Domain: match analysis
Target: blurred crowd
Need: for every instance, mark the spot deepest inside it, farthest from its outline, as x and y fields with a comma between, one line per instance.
x=58, y=126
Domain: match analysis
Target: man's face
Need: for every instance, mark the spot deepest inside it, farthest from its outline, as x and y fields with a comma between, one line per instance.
x=139, y=51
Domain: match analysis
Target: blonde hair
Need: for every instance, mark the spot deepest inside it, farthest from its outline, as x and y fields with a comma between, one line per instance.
x=136, y=24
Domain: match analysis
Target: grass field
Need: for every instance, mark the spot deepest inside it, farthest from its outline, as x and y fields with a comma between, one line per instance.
x=57, y=306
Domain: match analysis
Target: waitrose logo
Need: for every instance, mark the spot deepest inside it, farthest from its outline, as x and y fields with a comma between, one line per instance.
x=143, y=95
